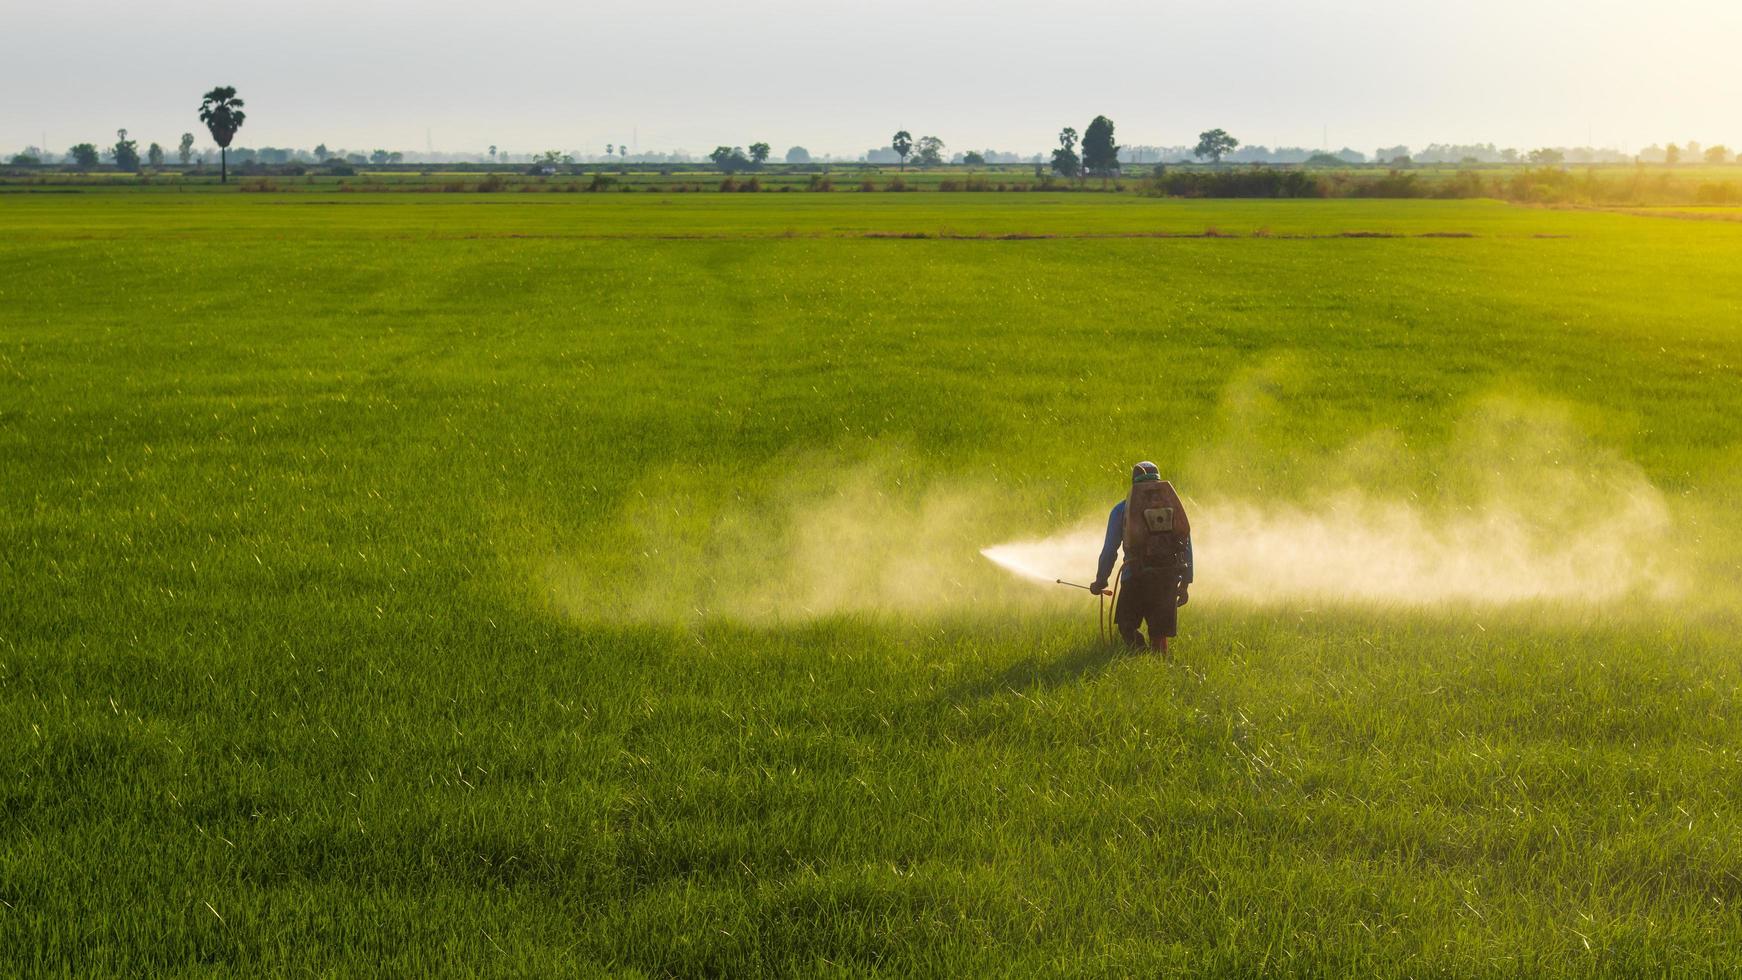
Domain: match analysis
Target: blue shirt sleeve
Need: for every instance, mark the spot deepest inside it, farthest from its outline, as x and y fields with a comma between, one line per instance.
x=1110, y=547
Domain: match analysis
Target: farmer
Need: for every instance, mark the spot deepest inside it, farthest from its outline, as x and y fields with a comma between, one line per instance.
x=1153, y=583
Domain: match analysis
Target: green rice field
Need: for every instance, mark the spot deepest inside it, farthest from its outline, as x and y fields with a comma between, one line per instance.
x=590, y=584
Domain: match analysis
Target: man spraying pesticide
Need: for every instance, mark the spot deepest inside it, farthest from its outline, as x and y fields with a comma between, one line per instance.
x=1151, y=526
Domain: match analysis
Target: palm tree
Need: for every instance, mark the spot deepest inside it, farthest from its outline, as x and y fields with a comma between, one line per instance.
x=222, y=113
x=902, y=144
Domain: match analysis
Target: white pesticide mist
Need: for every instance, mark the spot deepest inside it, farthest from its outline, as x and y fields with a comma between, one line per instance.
x=817, y=539
x=1523, y=509
x=1360, y=550
x=1353, y=549
x=1518, y=506
x=1067, y=556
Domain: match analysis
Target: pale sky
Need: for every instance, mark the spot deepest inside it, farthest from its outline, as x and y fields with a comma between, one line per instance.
x=529, y=75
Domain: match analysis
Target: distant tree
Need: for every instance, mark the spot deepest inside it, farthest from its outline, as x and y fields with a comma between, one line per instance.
x=1546, y=156
x=1325, y=160
x=1509, y=155
x=931, y=151
x=84, y=155
x=622, y=151
x=379, y=157
x=25, y=159
x=798, y=154
x=125, y=152
x=1215, y=144
x=1718, y=154
x=321, y=153
x=186, y=149
x=154, y=155
x=1100, y=153
x=730, y=158
x=758, y=153
x=1064, y=159
x=902, y=144
x=974, y=158
x=1672, y=154
x=610, y=149
x=222, y=113
x=492, y=152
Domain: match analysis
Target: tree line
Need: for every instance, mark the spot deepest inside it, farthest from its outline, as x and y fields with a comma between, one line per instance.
x=1093, y=153
x=124, y=152
x=220, y=110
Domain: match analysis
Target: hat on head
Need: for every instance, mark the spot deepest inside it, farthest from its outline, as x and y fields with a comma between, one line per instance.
x=1145, y=472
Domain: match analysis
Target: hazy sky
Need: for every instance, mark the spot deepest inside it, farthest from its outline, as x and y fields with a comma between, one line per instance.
x=529, y=75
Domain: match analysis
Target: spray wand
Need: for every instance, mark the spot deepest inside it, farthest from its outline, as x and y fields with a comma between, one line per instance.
x=1107, y=625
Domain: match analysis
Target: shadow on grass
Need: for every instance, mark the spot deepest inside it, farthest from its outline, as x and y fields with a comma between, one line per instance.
x=1077, y=663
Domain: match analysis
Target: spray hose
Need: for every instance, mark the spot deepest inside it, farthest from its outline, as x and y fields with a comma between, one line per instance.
x=1109, y=628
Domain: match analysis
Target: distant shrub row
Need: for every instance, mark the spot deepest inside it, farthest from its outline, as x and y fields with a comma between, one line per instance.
x=1545, y=185
x=1270, y=182
x=1234, y=183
